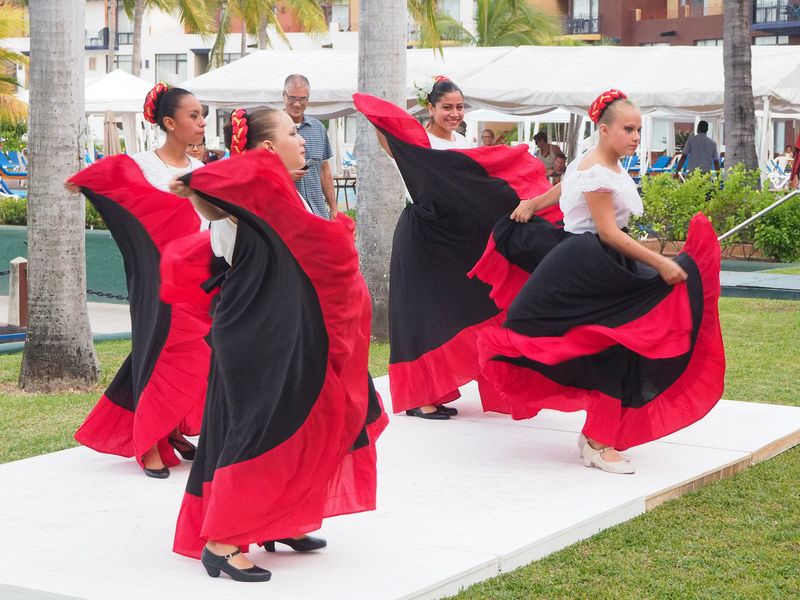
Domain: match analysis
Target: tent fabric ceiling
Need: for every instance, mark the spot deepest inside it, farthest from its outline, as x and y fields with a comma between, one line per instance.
x=523, y=80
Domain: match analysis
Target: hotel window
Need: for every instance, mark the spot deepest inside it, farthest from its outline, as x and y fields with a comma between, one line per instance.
x=771, y=40
x=124, y=62
x=171, y=68
x=717, y=42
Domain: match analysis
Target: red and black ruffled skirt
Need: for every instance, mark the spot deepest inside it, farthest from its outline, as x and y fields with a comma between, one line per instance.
x=162, y=383
x=592, y=330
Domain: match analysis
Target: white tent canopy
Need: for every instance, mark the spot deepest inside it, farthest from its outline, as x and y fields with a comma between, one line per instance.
x=118, y=91
x=524, y=80
x=677, y=81
x=123, y=94
x=257, y=79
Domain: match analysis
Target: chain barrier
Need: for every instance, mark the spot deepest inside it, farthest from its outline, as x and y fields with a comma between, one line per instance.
x=106, y=295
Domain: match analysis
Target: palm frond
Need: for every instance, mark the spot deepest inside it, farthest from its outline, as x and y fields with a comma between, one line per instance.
x=12, y=111
x=425, y=15
x=198, y=16
x=13, y=21
x=309, y=15
x=448, y=31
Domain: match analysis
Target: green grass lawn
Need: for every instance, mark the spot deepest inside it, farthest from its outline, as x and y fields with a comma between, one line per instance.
x=785, y=271
x=738, y=538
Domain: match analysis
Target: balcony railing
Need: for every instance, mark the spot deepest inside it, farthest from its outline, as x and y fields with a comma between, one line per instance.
x=776, y=11
x=99, y=39
x=582, y=24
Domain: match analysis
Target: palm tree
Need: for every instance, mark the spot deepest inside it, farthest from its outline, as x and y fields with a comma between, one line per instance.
x=112, y=34
x=382, y=72
x=195, y=15
x=740, y=119
x=13, y=23
x=498, y=23
x=58, y=352
x=255, y=15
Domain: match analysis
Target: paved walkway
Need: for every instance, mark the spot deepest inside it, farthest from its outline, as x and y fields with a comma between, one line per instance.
x=499, y=494
x=760, y=285
x=103, y=317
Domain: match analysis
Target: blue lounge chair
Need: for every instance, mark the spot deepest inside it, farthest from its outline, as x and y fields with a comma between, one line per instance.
x=662, y=164
x=18, y=158
x=4, y=189
x=11, y=169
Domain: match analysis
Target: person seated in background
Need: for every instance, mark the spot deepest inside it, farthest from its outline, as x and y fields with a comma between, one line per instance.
x=559, y=168
x=545, y=152
x=785, y=160
x=202, y=153
x=487, y=137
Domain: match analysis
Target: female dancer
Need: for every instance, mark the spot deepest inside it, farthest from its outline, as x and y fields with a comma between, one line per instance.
x=156, y=396
x=445, y=104
x=291, y=416
x=603, y=324
x=435, y=310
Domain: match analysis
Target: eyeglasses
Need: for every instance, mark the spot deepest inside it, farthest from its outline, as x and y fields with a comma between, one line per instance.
x=195, y=146
x=295, y=99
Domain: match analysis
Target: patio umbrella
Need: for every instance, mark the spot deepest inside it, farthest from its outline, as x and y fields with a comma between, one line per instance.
x=111, y=135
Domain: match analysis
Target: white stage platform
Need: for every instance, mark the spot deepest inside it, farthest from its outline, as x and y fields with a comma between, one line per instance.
x=459, y=502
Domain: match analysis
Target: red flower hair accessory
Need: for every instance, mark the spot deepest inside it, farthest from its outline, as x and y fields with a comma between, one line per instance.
x=150, y=108
x=238, y=131
x=601, y=103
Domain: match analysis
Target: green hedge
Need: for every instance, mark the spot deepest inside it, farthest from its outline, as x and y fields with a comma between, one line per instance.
x=14, y=211
x=669, y=206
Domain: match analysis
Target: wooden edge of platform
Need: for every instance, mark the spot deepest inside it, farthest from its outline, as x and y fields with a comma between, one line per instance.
x=769, y=451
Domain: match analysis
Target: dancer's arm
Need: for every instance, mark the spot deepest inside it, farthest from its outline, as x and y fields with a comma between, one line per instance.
x=384, y=143
x=527, y=208
x=206, y=209
x=602, y=208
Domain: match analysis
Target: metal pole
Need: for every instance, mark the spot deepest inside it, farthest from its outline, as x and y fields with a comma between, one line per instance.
x=758, y=215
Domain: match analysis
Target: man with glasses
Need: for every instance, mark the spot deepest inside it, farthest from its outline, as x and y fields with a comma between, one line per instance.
x=315, y=181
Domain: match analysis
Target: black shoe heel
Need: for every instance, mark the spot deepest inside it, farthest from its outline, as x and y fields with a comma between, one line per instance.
x=215, y=563
x=212, y=571
x=186, y=454
x=306, y=544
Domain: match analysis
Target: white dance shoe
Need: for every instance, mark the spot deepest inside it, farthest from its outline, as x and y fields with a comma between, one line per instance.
x=582, y=441
x=594, y=458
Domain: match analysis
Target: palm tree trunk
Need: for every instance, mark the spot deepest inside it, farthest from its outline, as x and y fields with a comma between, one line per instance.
x=218, y=49
x=740, y=119
x=381, y=72
x=262, y=33
x=138, y=14
x=112, y=34
x=58, y=352
x=243, y=49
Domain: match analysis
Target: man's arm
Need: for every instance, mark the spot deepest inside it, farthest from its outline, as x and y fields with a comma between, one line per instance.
x=326, y=180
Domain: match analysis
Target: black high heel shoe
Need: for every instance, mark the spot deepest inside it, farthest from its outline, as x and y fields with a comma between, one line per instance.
x=306, y=544
x=215, y=563
x=181, y=447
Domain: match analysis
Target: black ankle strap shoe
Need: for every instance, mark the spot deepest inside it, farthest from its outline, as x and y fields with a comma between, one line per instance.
x=215, y=564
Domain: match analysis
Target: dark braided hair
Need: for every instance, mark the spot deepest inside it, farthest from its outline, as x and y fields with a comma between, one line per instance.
x=162, y=101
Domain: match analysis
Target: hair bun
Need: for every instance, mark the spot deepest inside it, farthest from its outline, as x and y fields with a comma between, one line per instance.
x=602, y=102
x=151, y=101
x=238, y=131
